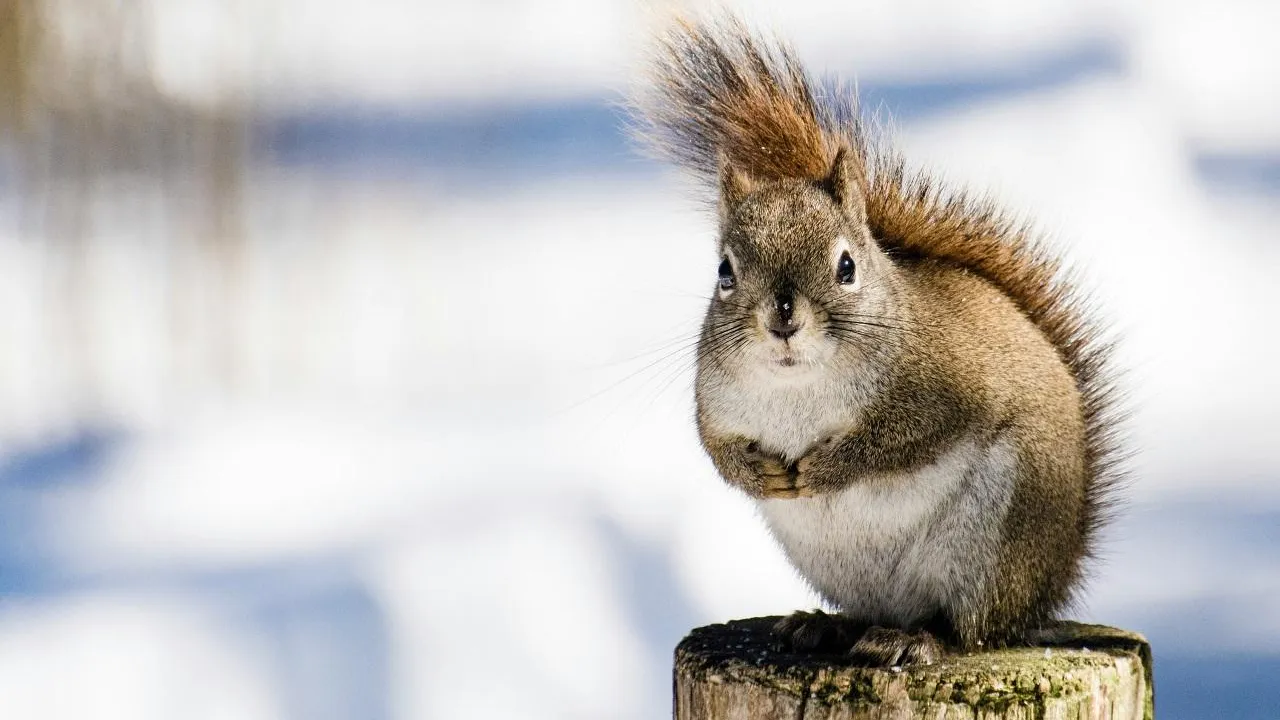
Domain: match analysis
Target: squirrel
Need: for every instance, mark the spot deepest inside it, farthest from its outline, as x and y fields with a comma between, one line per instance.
x=901, y=376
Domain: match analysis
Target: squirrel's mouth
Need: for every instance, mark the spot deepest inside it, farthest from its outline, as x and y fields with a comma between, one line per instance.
x=787, y=355
x=793, y=357
x=789, y=361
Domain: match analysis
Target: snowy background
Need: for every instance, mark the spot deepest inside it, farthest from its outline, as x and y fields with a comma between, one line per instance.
x=401, y=427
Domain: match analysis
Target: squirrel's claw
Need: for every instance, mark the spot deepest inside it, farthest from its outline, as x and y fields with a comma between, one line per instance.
x=816, y=631
x=887, y=647
x=820, y=632
x=777, y=479
x=785, y=486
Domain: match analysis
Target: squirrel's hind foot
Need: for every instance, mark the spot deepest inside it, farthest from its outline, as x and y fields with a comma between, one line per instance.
x=888, y=647
x=818, y=632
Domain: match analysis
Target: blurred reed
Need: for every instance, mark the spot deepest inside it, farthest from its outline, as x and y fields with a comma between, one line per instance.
x=97, y=154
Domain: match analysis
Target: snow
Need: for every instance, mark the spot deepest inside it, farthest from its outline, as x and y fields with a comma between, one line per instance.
x=446, y=466
x=117, y=655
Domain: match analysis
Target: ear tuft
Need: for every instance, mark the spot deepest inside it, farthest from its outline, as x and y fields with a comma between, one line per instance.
x=842, y=183
x=734, y=186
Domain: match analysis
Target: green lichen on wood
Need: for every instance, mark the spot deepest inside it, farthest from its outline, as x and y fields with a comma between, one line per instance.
x=1060, y=668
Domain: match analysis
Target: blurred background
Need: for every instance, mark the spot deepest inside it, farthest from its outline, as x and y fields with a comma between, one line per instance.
x=345, y=347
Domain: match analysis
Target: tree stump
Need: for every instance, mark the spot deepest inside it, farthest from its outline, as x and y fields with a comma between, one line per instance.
x=732, y=672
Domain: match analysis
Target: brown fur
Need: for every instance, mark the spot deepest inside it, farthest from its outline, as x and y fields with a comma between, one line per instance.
x=723, y=96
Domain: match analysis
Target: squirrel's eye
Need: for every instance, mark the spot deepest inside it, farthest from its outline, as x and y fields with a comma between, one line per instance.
x=726, y=275
x=845, y=269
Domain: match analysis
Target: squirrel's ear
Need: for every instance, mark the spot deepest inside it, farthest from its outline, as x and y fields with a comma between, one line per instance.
x=734, y=186
x=842, y=184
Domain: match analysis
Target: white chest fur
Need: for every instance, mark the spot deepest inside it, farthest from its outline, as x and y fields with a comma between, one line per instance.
x=894, y=549
x=786, y=418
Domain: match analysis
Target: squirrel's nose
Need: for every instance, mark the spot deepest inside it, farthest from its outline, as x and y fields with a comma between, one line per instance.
x=784, y=307
x=785, y=304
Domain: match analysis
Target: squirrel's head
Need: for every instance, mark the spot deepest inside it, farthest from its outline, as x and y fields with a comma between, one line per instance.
x=801, y=286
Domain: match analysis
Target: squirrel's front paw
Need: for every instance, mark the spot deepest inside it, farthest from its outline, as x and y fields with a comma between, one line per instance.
x=775, y=479
x=820, y=469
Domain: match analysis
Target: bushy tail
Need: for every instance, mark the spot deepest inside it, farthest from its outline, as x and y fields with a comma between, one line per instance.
x=719, y=92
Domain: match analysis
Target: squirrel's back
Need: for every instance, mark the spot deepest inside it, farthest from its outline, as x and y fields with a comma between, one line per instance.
x=721, y=95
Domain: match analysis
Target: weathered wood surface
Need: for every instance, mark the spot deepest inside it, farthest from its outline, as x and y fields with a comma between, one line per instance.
x=732, y=672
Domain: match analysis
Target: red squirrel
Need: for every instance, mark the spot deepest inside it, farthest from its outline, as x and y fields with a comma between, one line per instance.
x=895, y=371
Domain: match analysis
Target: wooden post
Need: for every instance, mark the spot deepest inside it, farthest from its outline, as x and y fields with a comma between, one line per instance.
x=1081, y=672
